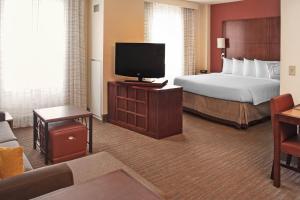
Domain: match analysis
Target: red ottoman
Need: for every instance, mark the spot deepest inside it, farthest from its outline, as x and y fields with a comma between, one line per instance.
x=67, y=141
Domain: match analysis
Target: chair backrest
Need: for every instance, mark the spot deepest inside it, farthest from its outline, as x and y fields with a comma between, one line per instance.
x=280, y=104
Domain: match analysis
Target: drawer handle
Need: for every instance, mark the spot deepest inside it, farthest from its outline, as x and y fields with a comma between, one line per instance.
x=71, y=138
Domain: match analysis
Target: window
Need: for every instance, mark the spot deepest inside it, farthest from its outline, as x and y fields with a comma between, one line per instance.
x=32, y=45
x=32, y=56
x=174, y=26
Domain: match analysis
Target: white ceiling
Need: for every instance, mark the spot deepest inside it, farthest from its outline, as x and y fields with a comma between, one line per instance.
x=213, y=1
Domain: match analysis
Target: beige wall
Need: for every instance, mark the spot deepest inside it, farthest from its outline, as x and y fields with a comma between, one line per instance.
x=124, y=22
x=290, y=47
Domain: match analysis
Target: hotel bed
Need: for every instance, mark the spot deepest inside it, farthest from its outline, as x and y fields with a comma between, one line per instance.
x=236, y=100
x=239, y=95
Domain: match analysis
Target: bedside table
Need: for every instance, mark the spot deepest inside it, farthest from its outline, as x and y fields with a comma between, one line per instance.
x=204, y=71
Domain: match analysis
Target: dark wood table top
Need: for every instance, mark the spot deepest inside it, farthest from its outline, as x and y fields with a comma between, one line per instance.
x=291, y=116
x=113, y=186
x=61, y=113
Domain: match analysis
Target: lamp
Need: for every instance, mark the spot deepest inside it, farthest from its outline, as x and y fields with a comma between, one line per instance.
x=221, y=44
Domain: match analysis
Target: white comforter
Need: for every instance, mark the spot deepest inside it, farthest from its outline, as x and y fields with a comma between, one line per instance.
x=230, y=87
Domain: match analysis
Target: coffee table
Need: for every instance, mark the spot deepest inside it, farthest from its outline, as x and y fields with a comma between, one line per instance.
x=57, y=114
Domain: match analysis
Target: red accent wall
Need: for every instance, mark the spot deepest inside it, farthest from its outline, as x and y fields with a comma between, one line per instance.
x=247, y=9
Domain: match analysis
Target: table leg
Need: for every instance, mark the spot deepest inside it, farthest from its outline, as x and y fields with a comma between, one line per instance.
x=46, y=143
x=34, y=130
x=277, y=148
x=91, y=133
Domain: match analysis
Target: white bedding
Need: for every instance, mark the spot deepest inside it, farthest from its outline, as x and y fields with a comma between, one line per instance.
x=230, y=87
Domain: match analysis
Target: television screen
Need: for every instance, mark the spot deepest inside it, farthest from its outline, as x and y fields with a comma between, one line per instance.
x=142, y=60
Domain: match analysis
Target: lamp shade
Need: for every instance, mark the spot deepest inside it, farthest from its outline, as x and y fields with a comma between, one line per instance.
x=221, y=43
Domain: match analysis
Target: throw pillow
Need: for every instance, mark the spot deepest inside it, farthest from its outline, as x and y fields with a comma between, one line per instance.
x=274, y=69
x=11, y=161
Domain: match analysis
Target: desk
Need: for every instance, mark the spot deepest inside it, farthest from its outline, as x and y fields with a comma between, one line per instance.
x=289, y=117
x=56, y=114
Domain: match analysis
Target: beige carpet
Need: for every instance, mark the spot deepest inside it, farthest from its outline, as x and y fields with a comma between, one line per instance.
x=208, y=161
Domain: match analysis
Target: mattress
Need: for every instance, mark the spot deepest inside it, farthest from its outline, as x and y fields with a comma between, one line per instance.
x=230, y=87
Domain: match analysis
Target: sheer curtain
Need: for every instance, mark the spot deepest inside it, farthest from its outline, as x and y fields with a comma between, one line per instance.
x=190, y=27
x=174, y=26
x=165, y=25
x=76, y=53
x=35, y=58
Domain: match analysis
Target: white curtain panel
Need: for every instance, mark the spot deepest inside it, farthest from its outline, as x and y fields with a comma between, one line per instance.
x=176, y=27
x=76, y=56
x=164, y=24
x=190, y=27
x=35, y=57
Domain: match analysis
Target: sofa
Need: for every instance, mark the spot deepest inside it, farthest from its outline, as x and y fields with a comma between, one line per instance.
x=36, y=183
x=41, y=182
x=8, y=139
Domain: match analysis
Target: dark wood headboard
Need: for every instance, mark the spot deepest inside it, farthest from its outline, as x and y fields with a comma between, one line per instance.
x=253, y=38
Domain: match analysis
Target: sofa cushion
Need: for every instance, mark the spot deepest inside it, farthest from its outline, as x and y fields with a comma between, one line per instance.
x=36, y=182
x=6, y=133
x=27, y=165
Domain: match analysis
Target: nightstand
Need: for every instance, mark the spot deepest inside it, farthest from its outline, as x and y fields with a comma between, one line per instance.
x=203, y=71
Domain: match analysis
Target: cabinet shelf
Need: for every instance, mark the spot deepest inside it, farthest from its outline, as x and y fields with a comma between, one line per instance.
x=130, y=112
x=130, y=99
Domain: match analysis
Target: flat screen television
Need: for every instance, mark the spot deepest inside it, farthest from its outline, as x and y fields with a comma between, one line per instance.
x=142, y=60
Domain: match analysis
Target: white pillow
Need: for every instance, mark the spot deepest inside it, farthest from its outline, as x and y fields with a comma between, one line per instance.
x=274, y=69
x=238, y=67
x=261, y=68
x=249, y=68
x=227, y=66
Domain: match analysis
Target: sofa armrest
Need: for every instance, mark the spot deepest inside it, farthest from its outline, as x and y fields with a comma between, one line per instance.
x=99, y=164
x=2, y=116
x=36, y=182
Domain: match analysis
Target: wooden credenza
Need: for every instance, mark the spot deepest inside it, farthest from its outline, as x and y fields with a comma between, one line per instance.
x=155, y=112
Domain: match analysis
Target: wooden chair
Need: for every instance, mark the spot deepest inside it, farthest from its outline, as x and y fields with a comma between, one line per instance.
x=289, y=140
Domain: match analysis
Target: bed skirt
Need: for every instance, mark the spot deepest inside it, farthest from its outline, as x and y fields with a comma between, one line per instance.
x=240, y=115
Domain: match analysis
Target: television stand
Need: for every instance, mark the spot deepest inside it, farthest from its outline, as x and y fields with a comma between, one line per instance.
x=152, y=111
x=143, y=83
x=138, y=81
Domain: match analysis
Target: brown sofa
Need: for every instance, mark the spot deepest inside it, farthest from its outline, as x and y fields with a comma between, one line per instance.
x=8, y=139
x=37, y=182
